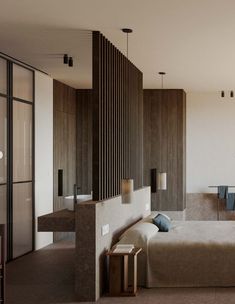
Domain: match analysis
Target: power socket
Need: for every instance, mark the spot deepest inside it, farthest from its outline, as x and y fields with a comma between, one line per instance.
x=105, y=229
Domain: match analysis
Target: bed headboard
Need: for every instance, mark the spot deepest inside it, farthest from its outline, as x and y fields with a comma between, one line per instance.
x=91, y=244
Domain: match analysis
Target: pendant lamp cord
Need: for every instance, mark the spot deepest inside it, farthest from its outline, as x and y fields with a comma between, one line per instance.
x=162, y=74
x=127, y=45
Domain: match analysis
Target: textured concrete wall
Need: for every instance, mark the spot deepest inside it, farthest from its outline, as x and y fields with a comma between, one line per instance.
x=203, y=207
x=91, y=245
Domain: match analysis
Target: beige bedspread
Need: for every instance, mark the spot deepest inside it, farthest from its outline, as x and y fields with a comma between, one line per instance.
x=192, y=253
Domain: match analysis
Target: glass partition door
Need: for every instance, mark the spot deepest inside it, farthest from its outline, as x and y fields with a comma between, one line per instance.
x=3, y=141
x=17, y=156
x=3, y=160
x=22, y=160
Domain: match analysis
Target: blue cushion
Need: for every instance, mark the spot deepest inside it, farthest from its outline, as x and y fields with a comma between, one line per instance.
x=162, y=222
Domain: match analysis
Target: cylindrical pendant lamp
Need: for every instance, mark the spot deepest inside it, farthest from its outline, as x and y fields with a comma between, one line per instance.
x=127, y=189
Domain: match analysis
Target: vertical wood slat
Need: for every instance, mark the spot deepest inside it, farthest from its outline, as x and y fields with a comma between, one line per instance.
x=117, y=134
x=106, y=177
x=102, y=117
x=105, y=119
x=125, y=136
x=115, y=125
x=121, y=118
x=111, y=139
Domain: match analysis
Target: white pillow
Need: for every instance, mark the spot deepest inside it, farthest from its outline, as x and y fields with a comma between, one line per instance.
x=139, y=234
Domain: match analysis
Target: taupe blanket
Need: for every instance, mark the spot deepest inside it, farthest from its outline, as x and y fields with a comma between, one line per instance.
x=192, y=253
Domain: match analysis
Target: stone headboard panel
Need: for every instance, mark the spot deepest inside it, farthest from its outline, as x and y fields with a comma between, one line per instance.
x=91, y=245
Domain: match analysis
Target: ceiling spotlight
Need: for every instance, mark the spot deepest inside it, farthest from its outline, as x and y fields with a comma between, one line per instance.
x=231, y=94
x=222, y=93
x=127, y=30
x=70, y=61
x=66, y=59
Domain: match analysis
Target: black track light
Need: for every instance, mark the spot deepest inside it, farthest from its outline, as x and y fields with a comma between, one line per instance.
x=231, y=94
x=70, y=61
x=66, y=59
x=222, y=93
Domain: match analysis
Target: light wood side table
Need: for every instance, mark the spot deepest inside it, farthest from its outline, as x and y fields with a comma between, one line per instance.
x=118, y=273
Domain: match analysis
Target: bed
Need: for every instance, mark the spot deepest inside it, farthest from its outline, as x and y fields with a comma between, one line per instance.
x=191, y=254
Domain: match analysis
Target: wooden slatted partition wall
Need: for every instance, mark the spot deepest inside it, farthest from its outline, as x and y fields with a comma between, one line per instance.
x=117, y=120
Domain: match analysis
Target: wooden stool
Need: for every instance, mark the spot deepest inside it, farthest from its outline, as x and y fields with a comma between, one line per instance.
x=118, y=273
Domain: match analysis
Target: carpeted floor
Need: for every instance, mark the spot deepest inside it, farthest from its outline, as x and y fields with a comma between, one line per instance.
x=47, y=277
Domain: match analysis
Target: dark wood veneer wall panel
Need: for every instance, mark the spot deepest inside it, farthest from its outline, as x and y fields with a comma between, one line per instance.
x=117, y=120
x=84, y=141
x=64, y=143
x=182, y=148
x=164, y=145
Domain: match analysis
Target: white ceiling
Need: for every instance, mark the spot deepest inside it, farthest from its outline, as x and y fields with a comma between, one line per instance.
x=192, y=40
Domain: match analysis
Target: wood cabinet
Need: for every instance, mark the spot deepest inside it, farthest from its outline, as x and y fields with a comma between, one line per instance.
x=164, y=145
x=64, y=124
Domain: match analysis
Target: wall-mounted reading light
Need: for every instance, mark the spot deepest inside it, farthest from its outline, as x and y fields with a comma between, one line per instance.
x=158, y=180
x=70, y=61
x=231, y=94
x=222, y=94
x=154, y=180
x=127, y=186
x=161, y=181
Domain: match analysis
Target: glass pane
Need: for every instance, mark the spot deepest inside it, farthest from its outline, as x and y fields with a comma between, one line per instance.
x=3, y=204
x=22, y=83
x=22, y=219
x=3, y=76
x=3, y=140
x=22, y=141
